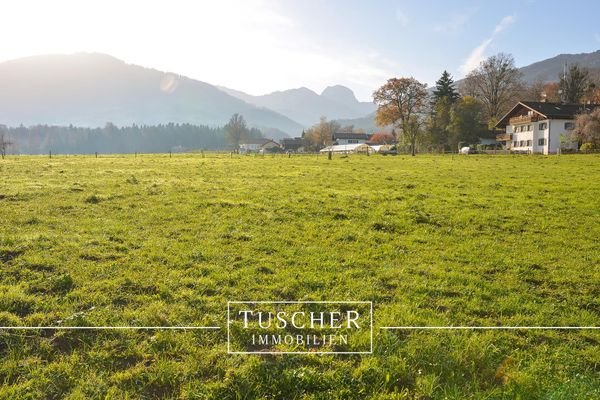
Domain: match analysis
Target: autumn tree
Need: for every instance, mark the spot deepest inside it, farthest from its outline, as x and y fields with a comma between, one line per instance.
x=592, y=95
x=574, y=84
x=496, y=83
x=533, y=91
x=321, y=134
x=401, y=103
x=587, y=129
x=551, y=92
x=382, y=138
x=236, y=130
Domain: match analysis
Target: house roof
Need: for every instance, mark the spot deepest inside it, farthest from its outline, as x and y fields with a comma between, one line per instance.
x=344, y=135
x=547, y=110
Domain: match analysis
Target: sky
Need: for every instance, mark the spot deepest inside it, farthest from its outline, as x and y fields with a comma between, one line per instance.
x=260, y=46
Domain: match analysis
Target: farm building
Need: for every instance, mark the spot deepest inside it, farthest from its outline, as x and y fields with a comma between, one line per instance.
x=261, y=145
x=539, y=127
x=341, y=138
x=349, y=148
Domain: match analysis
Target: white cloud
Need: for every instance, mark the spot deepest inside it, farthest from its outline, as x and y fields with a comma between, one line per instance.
x=477, y=55
x=506, y=21
x=402, y=17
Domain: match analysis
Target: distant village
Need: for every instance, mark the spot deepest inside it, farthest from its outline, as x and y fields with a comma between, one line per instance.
x=342, y=142
x=529, y=127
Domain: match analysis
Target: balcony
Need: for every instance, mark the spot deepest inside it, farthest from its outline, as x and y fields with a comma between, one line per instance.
x=504, y=137
x=523, y=119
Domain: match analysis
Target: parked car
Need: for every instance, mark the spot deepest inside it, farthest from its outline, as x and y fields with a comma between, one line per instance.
x=468, y=150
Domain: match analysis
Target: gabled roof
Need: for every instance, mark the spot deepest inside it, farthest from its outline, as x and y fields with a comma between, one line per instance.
x=344, y=135
x=548, y=110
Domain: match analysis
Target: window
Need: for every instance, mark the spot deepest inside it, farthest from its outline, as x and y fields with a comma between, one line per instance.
x=521, y=143
x=529, y=143
x=542, y=142
x=569, y=125
x=528, y=128
x=352, y=141
x=515, y=144
x=542, y=126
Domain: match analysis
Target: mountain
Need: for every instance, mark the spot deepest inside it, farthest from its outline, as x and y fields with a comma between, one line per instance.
x=551, y=68
x=89, y=89
x=306, y=107
x=366, y=123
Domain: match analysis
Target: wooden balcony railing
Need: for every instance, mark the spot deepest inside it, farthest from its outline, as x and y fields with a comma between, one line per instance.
x=523, y=119
x=504, y=137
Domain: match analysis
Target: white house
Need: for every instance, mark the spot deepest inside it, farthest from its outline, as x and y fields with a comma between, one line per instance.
x=258, y=145
x=349, y=138
x=540, y=127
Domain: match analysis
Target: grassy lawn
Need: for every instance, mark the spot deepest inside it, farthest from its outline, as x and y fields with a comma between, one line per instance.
x=431, y=240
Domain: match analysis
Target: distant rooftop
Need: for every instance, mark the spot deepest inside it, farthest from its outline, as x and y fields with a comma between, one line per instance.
x=344, y=135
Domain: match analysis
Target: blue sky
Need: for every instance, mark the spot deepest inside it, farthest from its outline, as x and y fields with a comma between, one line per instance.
x=260, y=46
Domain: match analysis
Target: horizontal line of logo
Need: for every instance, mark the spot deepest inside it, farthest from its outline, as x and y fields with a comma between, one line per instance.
x=382, y=327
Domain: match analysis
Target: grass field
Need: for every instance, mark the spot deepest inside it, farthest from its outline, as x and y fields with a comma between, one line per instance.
x=431, y=240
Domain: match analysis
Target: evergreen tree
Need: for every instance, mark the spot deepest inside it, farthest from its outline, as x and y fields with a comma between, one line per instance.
x=444, y=88
x=574, y=84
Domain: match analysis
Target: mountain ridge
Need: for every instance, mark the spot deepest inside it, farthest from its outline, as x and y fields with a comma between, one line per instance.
x=549, y=69
x=306, y=106
x=90, y=89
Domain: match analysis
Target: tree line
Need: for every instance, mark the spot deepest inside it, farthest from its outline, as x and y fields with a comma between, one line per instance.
x=41, y=139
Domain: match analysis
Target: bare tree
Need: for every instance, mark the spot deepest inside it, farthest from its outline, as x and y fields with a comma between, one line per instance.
x=496, y=83
x=533, y=91
x=236, y=130
x=321, y=134
x=401, y=103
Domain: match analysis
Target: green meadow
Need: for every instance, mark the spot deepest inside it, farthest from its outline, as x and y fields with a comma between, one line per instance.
x=476, y=240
